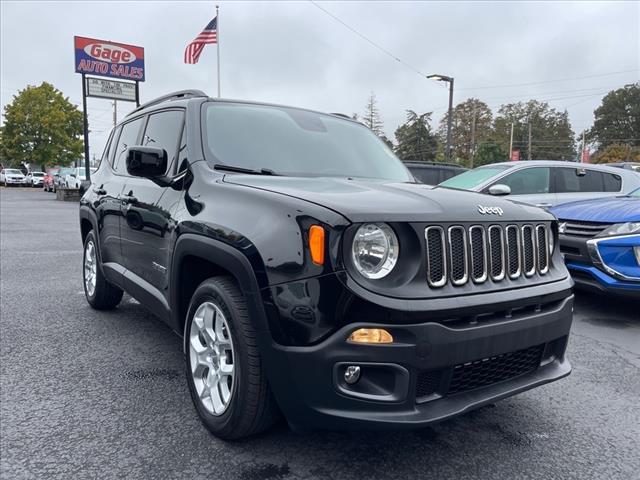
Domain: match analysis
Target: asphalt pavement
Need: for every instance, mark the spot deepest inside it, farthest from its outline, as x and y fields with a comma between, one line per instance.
x=87, y=394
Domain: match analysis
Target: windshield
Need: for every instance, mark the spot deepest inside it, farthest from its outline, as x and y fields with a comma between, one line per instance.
x=12, y=171
x=635, y=193
x=37, y=174
x=472, y=178
x=296, y=142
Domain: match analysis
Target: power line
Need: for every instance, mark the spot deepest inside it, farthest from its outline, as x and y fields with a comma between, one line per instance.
x=366, y=39
x=549, y=81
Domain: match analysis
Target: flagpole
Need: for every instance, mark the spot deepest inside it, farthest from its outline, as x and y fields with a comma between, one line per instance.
x=218, y=43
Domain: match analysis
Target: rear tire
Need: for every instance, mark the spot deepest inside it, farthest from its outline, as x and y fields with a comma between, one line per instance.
x=225, y=374
x=100, y=294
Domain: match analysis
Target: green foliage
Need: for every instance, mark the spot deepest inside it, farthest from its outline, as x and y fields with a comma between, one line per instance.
x=41, y=127
x=617, y=152
x=489, y=151
x=416, y=141
x=461, y=129
x=551, y=135
x=617, y=120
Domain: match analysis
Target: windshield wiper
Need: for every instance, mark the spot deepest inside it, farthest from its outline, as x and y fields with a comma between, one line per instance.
x=231, y=168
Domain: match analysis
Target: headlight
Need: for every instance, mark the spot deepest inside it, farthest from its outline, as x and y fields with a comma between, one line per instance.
x=375, y=250
x=621, y=229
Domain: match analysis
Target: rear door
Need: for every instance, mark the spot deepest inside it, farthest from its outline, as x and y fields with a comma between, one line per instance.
x=582, y=183
x=108, y=185
x=148, y=226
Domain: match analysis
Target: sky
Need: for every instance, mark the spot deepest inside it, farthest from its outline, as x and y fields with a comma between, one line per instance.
x=294, y=53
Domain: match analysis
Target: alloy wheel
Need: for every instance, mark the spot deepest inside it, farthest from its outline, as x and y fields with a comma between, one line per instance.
x=212, y=358
x=90, y=268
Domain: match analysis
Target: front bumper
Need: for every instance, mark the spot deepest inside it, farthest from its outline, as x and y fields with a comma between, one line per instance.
x=14, y=181
x=431, y=372
x=604, y=265
x=589, y=277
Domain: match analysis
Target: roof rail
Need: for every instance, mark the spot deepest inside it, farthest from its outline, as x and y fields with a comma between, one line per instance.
x=171, y=96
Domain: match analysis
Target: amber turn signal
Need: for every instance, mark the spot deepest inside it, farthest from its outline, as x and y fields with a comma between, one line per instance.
x=316, y=244
x=371, y=335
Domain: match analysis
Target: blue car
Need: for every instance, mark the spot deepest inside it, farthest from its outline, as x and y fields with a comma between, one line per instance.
x=600, y=240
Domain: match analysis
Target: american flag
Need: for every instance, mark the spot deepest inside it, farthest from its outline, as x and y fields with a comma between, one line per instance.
x=208, y=35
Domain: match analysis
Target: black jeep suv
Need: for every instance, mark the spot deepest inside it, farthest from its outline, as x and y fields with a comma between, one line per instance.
x=308, y=274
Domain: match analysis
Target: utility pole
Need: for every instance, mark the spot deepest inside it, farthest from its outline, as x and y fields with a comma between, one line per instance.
x=115, y=112
x=529, y=148
x=473, y=134
x=584, y=147
x=511, y=143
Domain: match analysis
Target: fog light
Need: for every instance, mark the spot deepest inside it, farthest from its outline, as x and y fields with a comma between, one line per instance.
x=371, y=335
x=352, y=374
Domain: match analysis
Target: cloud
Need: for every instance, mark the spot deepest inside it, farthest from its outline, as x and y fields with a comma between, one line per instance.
x=293, y=53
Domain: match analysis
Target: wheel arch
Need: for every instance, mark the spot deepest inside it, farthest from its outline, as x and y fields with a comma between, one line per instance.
x=197, y=258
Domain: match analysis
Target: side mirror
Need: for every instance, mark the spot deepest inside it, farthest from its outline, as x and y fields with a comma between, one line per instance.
x=148, y=162
x=499, y=189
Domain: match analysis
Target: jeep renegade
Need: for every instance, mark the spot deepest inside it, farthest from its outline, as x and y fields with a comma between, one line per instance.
x=310, y=275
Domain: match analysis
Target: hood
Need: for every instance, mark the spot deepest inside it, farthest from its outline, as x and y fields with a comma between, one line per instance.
x=382, y=201
x=606, y=210
x=14, y=175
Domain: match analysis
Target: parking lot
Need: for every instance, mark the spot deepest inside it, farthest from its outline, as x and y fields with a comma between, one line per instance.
x=89, y=394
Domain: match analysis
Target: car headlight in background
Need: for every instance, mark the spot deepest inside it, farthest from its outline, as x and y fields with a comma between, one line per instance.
x=375, y=250
x=621, y=229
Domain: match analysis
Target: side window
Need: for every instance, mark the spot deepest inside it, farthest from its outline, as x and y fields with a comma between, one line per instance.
x=612, y=182
x=527, y=181
x=569, y=180
x=128, y=137
x=108, y=148
x=164, y=130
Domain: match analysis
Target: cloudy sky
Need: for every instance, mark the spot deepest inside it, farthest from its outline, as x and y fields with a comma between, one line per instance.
x=567, y=53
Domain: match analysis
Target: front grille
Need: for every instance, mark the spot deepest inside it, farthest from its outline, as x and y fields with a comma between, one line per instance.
x=528, y=250
x=583, y=229
x=487, y=371
x=437, y=265
x=479, y=253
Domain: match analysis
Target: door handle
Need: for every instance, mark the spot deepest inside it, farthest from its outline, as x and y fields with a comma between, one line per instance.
x=129, y=199
x=543, y=205
x=99, y=191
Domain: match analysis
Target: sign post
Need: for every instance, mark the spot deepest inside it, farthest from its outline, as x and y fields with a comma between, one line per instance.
x=107, y=59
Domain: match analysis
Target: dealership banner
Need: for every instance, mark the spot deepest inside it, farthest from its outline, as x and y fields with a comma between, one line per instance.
x=109, y=59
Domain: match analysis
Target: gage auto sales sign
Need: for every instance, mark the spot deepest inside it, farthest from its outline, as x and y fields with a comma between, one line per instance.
x=109, y=59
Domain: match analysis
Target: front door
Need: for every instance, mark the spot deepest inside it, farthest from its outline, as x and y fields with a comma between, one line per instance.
x=147, y=228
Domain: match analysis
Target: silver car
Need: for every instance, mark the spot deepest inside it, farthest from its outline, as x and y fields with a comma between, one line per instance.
x=546, y=183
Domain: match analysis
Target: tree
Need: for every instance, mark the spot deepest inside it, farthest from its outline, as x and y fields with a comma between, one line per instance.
x=371, y=117
x=551, y=135
x=617, y=152
x=489, y=151
x=617, y=119
x=41, y=127
x=463, y=138
x=416, y=141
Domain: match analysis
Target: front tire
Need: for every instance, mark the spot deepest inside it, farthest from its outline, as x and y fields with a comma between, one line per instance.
x=225, y=375
x=100, y=294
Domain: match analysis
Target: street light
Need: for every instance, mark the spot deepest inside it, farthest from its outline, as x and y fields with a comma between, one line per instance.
x=444, y=78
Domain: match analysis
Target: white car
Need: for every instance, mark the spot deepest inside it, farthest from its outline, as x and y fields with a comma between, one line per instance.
x=11, y=176
x=34, y=179
x=76, y=177
x=546, y=183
